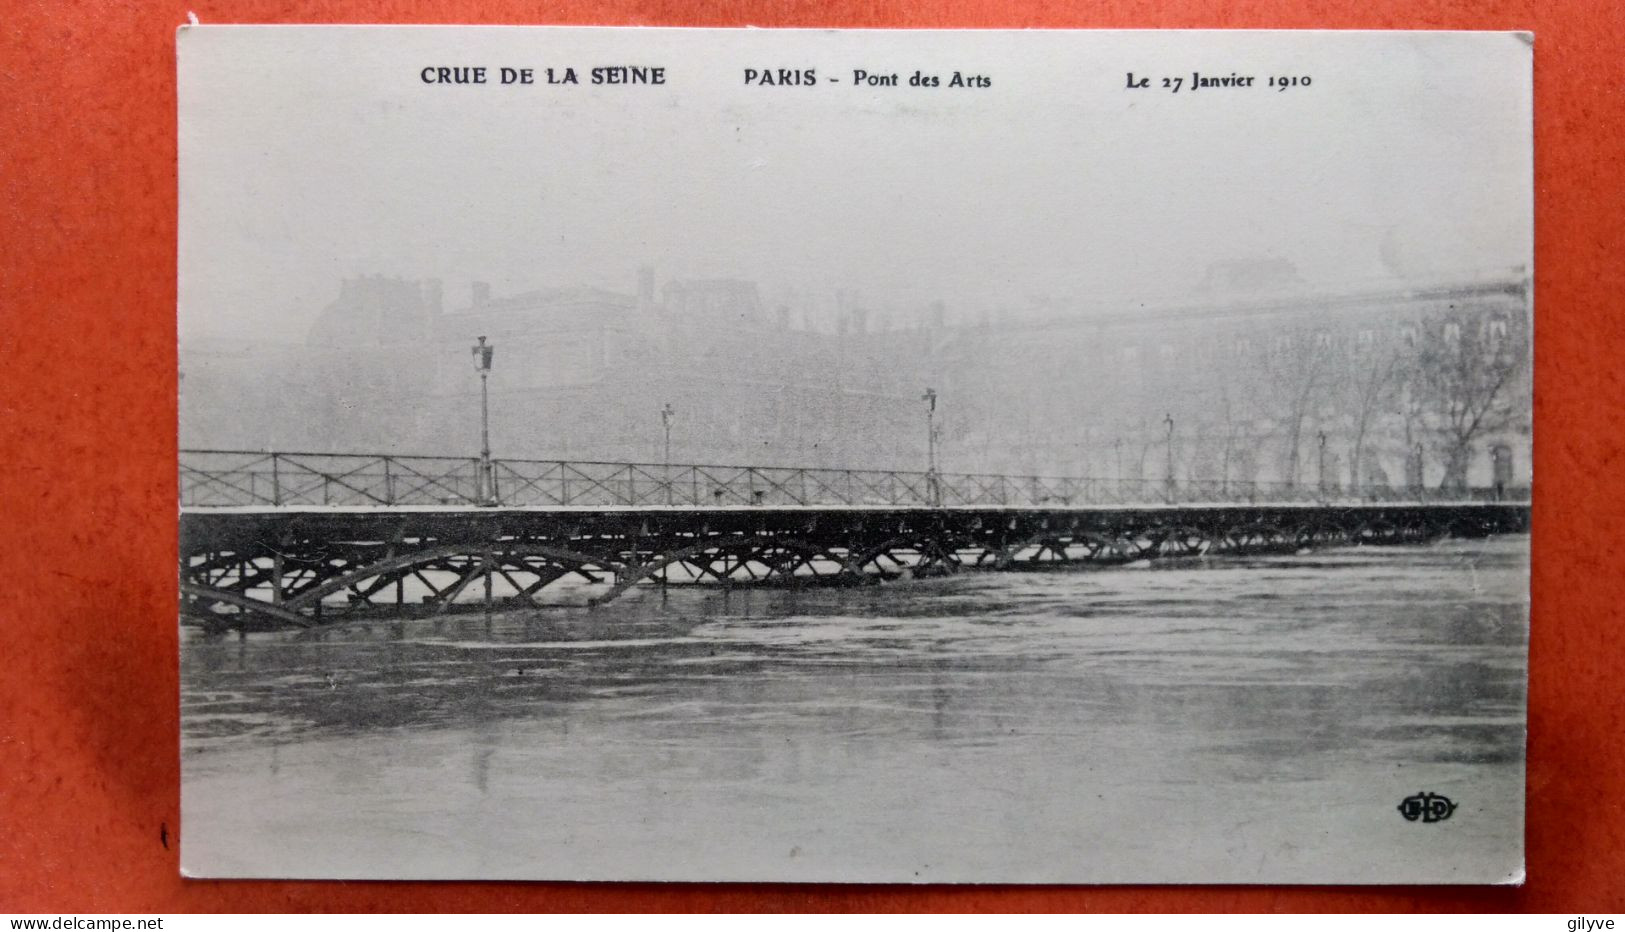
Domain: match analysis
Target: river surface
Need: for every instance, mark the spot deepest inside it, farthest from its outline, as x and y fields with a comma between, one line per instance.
x=1227, y=720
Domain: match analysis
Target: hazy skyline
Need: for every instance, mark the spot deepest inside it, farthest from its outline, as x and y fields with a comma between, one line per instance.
x=1394, y=167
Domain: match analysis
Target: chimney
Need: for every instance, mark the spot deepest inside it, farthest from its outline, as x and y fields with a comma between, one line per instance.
x=482, y=294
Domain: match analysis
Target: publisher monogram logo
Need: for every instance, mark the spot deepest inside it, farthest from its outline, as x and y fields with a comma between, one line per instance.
x=1428, y=807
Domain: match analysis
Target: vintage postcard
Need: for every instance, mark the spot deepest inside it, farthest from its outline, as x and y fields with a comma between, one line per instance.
x=758, y=455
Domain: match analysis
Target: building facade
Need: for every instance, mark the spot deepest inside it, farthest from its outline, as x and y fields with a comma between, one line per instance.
x=1382, y=385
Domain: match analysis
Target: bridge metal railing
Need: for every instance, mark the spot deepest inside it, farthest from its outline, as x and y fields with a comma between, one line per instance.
x=243, y=478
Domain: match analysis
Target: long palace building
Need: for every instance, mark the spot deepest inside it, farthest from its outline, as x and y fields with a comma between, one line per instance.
x=1386, y=384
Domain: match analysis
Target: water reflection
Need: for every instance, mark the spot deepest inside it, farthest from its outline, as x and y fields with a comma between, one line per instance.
x=1018, y=701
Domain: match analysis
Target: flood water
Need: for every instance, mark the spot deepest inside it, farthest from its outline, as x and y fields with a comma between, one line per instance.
x=1226, y=720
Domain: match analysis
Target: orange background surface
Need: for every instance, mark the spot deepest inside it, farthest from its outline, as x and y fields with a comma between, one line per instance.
x=88, y=694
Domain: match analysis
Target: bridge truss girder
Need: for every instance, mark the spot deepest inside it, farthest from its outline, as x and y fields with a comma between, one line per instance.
x=271, y=568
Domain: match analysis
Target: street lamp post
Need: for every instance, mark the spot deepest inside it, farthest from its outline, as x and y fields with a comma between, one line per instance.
x=1169, y=479
x=1320, y=470
x=486, y=493
x=1117, y=448
x=933, y=493
x=666, y=415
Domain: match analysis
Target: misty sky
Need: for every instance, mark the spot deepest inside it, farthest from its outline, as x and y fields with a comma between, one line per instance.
x=309, y=156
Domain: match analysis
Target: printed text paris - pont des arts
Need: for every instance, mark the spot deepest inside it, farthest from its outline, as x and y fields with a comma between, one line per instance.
x=655, y=75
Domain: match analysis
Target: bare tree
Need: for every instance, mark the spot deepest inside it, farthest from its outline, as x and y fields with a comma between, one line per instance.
x=1296, y=375
x=1371, y=399
x=1238, y=409
x=1228, y=411
x=1464, y=372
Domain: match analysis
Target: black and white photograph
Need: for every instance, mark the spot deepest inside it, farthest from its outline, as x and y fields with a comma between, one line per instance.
x=648, y=454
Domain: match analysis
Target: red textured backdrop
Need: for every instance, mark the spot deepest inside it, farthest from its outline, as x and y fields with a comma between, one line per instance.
x=88, y=708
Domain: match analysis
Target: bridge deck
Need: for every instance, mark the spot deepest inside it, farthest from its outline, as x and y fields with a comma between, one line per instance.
x=278, y=539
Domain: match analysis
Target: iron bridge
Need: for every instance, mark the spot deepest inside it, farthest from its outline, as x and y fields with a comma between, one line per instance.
x=274, y=540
